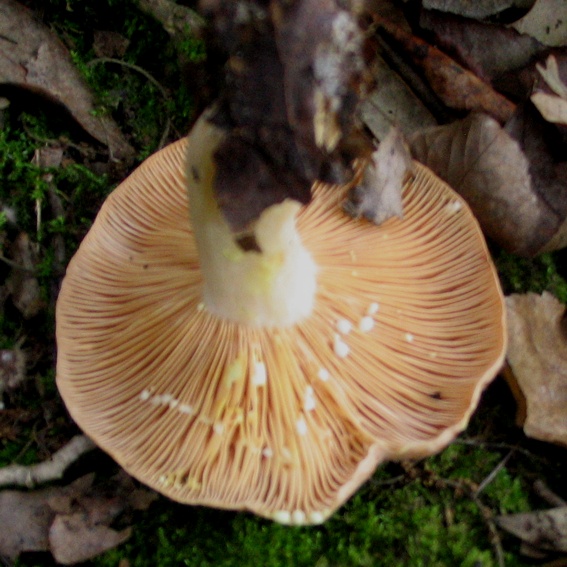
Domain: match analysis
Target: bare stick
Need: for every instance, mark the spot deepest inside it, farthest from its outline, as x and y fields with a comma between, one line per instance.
x=52, y=469
x=493, y=474
x=150, y=78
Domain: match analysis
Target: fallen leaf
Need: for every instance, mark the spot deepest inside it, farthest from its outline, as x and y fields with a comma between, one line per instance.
x=545, y=530
x=492, y=52
x=514, y=187
x=458, y=88
x=478, y=9
x=33, y=58
x=25, y=518
x=73, y=522
x=546, y=21
x=74, y=539
x=393, y=103
x=537, y=355
x=482, y=162
x=378, y=196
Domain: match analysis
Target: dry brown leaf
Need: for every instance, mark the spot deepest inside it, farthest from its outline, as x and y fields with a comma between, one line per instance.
x=25, y=517
x=482, y=162
x=516, y=190
x=378, y=196
x=537, y=355
x=546, y=21
x=492, y=52
x=478, y=9
x=33, y=58
x=70, y=521
x=456, y=87
x=393, y=103
x=544, y=530
x=74, y=538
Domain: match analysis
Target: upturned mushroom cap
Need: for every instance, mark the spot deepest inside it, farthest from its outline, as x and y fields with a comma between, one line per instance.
x=407, y=328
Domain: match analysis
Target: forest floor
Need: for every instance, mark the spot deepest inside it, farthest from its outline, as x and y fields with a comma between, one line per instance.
x=436, y=512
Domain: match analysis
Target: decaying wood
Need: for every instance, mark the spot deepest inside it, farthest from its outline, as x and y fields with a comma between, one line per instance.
x=295, y=73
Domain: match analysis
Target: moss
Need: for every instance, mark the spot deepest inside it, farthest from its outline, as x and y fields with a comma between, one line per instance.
x=420, y=521
x=520, y=275
x=419, y=515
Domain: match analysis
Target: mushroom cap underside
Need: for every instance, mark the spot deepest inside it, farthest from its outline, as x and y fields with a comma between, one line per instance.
x=407, y=328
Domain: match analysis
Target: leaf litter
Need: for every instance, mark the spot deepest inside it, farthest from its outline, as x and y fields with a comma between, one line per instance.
x=488, y=143
x=33, y=58
x=73, y=522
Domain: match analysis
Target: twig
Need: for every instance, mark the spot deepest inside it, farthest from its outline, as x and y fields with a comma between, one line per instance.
x=150, y=78
x=493, y=473
x=473, y=491
x=52, y=469
x=496, y=445
x=486, y=514
x=492, y=530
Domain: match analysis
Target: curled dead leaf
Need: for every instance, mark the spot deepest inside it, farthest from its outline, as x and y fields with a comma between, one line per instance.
x=73, y=521
x=73, y=540
x=458, y=88
x=472, y=8
x=25, y=520
x=543, y=530
x=493, y=53
x=514, y=188
x=546, y=22
x=537, y=355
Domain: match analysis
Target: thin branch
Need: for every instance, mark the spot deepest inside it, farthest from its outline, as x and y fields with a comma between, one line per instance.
x=150, y=78
x=493, y=473
x=487, y=516
x=52, y=469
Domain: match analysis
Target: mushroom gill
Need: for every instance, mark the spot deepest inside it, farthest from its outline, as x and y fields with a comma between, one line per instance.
x=405, y=330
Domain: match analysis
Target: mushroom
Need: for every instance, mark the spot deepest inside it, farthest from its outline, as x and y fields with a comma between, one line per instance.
x=273, y=378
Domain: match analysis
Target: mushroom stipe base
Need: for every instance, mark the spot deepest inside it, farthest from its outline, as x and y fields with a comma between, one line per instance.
x=406, y=329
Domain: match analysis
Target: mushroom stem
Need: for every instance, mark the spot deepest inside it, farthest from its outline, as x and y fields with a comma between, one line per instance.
x=272, y=284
